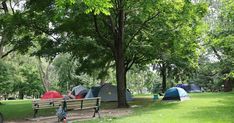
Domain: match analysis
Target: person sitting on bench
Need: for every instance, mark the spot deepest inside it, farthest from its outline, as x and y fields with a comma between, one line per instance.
x=69, y=96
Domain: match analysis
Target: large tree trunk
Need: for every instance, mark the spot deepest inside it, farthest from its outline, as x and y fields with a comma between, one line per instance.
x=227, y=85
x=119, y=59
x=21, y=95
x=1, y=50
x=164, y=77
x=102, y=81
x=3, y=34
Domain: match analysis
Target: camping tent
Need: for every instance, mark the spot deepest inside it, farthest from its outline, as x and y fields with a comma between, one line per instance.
x=176, y=93
x=195, y=88
x=190, y=87
x=108, y=92
x=89, y=94
x=51, y=95
x=79, y=91
x=186, y=87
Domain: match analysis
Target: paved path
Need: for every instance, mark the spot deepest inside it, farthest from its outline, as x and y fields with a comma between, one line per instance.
x=79, y=116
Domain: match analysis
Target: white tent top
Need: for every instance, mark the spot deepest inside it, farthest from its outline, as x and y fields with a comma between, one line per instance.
x=78, y=89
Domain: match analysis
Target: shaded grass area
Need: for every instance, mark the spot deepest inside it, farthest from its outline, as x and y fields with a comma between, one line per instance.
x=21, y=109
x=203, y=108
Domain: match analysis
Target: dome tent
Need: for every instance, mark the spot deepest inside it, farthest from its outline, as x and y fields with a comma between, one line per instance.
x=89, y=94
x=51, y=95
x=186, y=87
x=190, y=88
x=176, y=93
x=108, y=92
x=79, y=91
x=195, y=88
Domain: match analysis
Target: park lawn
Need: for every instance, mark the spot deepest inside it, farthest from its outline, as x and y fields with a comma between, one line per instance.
x=20, y=109
x=203, y=108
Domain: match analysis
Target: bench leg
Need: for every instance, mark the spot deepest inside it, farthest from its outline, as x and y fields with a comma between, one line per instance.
x=96, y=110
x=35, y=113
x=98, y=114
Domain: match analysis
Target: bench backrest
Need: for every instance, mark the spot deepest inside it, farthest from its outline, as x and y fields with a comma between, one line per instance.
x=46, y=103
x=83, y=103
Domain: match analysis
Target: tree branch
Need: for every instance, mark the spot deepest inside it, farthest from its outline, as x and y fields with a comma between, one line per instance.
x=141, y=27
x=7, y=53
x=4, y=5
x=47, y=32
x=112, y=26
x=129, y=65
x=105, y=40
x=12, y=9
x=216, y=53
x=97, y=29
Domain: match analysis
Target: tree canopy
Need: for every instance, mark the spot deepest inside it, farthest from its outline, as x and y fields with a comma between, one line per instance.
x=71, y=41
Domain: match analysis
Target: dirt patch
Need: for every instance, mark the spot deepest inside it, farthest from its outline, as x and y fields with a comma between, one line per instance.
x=80, y=116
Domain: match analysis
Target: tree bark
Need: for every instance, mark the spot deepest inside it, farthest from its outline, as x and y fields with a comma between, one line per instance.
x=119, y=58
x=3, y=38
x=43, y=75
x=21, y=95
x=164, y=77
x=227, y=85
x=102, y=81
x=1, y=50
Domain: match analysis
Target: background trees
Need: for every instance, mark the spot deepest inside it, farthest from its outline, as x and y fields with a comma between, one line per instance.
x=216, y=63
x=87, y=42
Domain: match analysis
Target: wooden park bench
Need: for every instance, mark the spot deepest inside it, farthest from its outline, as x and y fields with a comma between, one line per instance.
x=45, y=104
x=82, y=104
x=71, y=104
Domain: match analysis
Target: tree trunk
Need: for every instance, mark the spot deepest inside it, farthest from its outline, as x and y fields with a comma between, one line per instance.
x=164, y=77
x=43, y=76
x=102, y=81
x=21, y=95
x=119, y=58
x=2, y=41
x=5, y=96
x=1, y=50
x=227, y=85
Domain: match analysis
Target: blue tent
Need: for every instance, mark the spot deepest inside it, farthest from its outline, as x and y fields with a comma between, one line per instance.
x=195, y=88
x=186, y=87
x=190, y=87
x=176, y=93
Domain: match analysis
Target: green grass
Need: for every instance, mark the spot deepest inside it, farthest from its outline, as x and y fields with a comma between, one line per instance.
x=20, y=109
x=202, y=108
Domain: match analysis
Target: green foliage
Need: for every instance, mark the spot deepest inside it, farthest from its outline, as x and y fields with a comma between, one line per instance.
x=27, y=80
x=156, y=31
x=143, y=81
x=6, y=79
x=20, y=75
x=218, y=45
x=98, y=6
x=95, y=6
